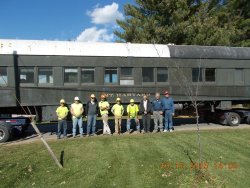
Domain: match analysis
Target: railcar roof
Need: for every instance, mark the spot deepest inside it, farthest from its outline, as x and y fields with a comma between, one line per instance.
x=73, y=48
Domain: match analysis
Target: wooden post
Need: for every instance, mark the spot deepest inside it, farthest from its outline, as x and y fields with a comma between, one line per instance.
x=46, y=144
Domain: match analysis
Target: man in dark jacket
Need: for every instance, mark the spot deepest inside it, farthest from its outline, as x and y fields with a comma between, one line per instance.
x=145, y=109
x=91, y=112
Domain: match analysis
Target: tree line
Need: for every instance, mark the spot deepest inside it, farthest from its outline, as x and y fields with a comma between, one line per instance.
x=186, y=22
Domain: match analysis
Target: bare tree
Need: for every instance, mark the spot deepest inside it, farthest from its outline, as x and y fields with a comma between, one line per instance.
x=191, y=91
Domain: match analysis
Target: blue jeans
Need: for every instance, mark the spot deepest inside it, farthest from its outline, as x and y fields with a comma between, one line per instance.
x=91, y=121
x=168, y=120
x=136, y=122
x=75, y=122
x=62, y=124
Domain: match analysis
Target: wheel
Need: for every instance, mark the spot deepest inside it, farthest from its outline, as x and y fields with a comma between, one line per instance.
x=4, y=134
x=233, y=119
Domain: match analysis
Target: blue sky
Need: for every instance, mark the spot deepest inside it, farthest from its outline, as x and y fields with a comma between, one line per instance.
x=82, y=20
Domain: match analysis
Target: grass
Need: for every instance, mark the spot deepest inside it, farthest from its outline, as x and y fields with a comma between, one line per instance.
x=153, y=160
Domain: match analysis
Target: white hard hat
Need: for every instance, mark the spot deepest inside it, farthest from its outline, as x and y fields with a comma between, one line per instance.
x=92, y=96
x=76, y=99
x=62, y=101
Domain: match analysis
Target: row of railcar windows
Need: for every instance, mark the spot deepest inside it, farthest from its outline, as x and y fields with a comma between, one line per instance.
x=122, y=76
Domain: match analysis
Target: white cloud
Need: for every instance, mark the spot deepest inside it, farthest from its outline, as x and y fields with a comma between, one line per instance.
x=93, y=34
x=105, y=15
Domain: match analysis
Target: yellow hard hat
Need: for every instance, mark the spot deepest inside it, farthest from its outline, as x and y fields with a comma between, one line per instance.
x=62, y=101
x=118, y=99
x=132, y=100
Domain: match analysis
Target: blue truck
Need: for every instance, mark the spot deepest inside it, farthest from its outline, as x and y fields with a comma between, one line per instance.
x=10, y=127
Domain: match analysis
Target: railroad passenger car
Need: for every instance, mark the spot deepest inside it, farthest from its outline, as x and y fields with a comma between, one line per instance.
x=37, y=74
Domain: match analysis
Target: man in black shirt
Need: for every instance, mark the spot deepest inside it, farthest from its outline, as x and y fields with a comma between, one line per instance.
x=91, y=112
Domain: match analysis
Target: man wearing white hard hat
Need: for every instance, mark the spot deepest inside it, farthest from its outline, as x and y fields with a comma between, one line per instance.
x=91, y=112
x=76, y=111
x=62, y=113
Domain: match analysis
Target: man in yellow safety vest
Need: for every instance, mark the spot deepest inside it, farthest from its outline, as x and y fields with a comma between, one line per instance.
x=104, y=107
x=118, y=111
x=62, y=113
x=132, y=110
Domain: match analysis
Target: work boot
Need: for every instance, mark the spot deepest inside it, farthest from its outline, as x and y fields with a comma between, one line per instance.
x=154, y=131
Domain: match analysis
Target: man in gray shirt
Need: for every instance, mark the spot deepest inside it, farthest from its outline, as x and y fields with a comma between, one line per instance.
x=157, y=113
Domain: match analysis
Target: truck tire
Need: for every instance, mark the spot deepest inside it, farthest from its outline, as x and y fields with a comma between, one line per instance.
x=233, y=119
x=4, y=133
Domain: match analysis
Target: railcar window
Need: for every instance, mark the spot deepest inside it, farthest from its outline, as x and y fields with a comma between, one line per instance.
x=45, y=76
x=111, y=76
x=210, y=75
x=70, y=75
x=148, y=74
x=127, y=72
x=3, y=76
x=162, y=74
x=26, y=75
x=88, y=75
x=127, y=76
x=239, y=76
x=196, y=74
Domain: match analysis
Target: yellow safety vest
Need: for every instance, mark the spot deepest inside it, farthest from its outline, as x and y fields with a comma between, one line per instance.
x=77, y=109
x=62, y=112
x=132, y=110
x=117, y=110
x=103, y=104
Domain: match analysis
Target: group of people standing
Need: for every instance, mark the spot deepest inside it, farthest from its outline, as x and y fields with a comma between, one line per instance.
x=161, y=108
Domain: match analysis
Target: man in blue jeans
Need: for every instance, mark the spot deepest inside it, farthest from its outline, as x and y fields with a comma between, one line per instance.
x=76, y=111
x=91, y=112
x=62, y=113
x=168, y=108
